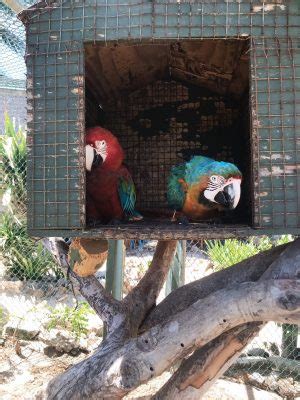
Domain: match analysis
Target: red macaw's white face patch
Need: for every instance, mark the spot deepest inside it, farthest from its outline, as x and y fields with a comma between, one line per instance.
x=95, y=152
x=101, y=148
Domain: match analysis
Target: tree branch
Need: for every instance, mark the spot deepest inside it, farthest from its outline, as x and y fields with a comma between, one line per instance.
x=191, y=372
x=111, y=374
x=109, y=309
x=193, y=377
x=143, y=297
x=249, y=270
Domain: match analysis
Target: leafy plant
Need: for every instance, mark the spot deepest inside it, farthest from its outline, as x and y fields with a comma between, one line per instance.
x=231, y=251
x=71, y=318
x=23, y=257
x=13, y=167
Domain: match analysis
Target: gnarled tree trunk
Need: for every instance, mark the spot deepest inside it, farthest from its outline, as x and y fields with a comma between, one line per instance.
x=145, y=340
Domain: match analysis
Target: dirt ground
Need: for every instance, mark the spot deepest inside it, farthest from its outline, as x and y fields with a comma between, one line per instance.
x=25, y=368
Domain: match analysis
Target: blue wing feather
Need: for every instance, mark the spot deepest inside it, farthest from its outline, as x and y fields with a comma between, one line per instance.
x=127, y=195
x=175, y=193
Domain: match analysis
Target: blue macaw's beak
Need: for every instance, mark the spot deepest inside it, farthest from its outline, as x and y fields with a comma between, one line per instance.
x=226, y=197
x=92, y=158
x=229, y=197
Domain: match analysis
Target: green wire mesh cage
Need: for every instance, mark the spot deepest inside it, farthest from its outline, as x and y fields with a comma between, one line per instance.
x=170, y=79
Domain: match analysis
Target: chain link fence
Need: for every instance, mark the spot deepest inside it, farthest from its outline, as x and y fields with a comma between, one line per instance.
x=41, y=330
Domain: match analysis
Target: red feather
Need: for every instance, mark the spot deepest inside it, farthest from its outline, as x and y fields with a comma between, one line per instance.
x=103, y=201
x=115, y=153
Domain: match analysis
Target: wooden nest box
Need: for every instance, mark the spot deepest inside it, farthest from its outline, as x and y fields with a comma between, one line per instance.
x=170, y=80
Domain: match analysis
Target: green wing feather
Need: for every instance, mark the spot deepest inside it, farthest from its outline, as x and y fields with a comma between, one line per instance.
x=127, y=195
x=175, y=192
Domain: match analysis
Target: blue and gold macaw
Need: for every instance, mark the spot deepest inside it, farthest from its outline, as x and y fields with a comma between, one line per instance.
x=202, y=187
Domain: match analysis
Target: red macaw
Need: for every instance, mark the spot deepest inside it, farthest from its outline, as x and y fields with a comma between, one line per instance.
x=110, y=189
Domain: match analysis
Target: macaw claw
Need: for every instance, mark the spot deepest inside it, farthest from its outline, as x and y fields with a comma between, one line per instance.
x=182, y=219
x=136, y=216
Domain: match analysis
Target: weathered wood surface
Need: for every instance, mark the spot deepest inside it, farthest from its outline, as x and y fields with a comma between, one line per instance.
x=163, y=231
x=125, y=360
x=199, y=371
x=249, y=270
x=192, y=380
x=139, y=359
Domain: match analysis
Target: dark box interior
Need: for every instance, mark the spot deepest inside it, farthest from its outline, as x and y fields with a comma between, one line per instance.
x=167, y=101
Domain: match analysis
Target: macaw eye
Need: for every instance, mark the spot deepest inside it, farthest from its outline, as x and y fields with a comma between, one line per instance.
x=100, y=144
x=214, y=178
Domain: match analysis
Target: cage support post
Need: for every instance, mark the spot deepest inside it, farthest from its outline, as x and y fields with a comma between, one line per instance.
x=177, y=270
x=115, y=267
x=114, y=271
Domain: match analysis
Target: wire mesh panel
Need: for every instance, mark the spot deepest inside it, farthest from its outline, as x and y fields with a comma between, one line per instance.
x=55, y=143
x=159, y=126
x=55, y=30
x=276, y=123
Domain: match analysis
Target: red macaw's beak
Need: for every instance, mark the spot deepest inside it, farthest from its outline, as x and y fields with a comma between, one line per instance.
x=229, y=195
x=92, y=158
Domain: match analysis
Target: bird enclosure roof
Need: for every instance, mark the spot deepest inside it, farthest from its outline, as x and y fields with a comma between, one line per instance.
x=44, y=5
x=48, y=5
x=221, y=66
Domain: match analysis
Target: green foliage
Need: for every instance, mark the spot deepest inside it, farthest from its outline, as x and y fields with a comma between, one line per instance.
x=23, y=257
x=231, y=251
x=13, y=167
x=73, y=319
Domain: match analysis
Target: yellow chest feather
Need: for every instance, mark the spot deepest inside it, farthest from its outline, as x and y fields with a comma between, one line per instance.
x=192, y=208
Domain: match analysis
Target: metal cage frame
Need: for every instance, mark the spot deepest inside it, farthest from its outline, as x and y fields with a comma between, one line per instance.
x=56, y=32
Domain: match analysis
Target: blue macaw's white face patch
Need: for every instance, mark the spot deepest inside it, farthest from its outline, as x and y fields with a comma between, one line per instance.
x=218, y=183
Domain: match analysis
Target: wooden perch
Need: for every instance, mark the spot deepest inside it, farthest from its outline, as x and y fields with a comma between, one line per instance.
x=282, y=261
x=249, y=270
x=195, y=374
x=140, y=359
x=189, y=320
x=143, y=297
